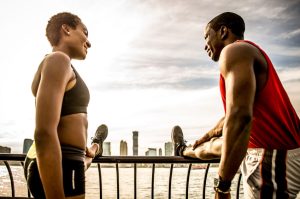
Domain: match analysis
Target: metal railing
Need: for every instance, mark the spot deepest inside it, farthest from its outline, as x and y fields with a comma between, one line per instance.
x=154, y=160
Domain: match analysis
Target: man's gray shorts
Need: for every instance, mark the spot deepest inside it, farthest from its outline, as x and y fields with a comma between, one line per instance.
x=271, y=173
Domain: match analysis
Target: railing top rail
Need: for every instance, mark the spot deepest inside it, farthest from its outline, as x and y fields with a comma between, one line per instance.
x=12, y=157
x=150, y=159
x=123, y=159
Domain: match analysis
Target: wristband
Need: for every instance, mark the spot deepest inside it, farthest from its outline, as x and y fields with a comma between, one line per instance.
x=222, y=186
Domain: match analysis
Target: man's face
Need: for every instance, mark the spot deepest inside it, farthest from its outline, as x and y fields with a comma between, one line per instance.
x=213, y=44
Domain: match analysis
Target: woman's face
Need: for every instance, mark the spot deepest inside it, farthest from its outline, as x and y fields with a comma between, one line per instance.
x=78, y=42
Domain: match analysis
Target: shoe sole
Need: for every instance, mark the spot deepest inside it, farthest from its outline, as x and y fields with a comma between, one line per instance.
x=175, y=129
x=103, y=130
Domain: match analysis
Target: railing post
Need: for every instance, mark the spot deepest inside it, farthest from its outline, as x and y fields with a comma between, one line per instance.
x=11, y=179
x=170, y=180
x=100, y=180
x=204, y=180
x=134, y=180
x=152, y=184
x=118, y=183
x=187, y=181
x=28, y=192
x=238, y=186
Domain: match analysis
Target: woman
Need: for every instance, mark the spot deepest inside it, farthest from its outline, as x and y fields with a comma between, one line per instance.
x=55, y=163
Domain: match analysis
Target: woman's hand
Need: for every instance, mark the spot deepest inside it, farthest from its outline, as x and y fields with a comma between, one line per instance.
x=89, y=153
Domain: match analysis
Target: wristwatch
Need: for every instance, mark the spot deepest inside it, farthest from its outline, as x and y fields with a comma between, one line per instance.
x=221, y=185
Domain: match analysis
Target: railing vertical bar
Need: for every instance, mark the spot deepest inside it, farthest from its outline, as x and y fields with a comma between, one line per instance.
x=11, y=179
x=170, y=180
x=134, y=180
x=152, y=184
x=238, y=186
x=187, y=181
x=204, y=180
x=118, y=181
x=28, y=192
x=100, y=180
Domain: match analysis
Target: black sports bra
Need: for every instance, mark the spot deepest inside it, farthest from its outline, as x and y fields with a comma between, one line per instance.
x=77, y=98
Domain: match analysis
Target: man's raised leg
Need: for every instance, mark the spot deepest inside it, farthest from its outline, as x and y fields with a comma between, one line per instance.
x=205, y=151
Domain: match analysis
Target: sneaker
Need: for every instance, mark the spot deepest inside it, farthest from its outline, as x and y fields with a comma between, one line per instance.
x=178, y=141
x=99, y=138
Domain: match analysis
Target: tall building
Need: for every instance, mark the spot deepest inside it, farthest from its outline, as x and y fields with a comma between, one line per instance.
x=168, y=149
x=4, y=149
x=26, y=145
x=123, y=148
x=151, y=152
x=135, y=143
x=106, y=149
x=159, y=152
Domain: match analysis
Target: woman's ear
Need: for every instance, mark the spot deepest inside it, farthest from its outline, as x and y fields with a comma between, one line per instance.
x=66, y=29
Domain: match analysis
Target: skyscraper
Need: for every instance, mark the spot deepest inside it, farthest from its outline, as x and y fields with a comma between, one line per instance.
x=135, y=144
x=168, y=148
x=151, y=152
x=159, y=152
x=26, y=145
x=106, y=149
x=4, y=149
x=123, y=148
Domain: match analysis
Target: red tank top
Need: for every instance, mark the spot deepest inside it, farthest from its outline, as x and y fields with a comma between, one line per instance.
x=275, y=123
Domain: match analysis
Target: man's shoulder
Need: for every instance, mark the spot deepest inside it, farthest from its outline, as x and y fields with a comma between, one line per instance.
x=239, y=48
x=237, y=54
x=238, y=51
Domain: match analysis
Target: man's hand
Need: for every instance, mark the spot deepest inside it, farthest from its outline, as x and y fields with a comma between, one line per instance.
x=204, y=138
x=215, y=132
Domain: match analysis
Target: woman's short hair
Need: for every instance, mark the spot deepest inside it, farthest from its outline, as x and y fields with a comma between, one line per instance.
x=230, y=20
x=55, y=23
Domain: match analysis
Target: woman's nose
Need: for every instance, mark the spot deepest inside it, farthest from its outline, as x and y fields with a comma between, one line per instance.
x=88, y=44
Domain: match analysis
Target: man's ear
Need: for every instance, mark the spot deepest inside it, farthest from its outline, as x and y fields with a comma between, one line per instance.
x=65, y=29
x=224, y=31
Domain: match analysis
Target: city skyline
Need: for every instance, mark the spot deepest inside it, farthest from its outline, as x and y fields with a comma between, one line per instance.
x=123, y=150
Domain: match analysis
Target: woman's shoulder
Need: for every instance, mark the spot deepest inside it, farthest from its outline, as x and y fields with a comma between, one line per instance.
x=56, y=61
x=57, y=56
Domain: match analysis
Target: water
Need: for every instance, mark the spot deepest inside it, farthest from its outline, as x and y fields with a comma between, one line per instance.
x=144, y=177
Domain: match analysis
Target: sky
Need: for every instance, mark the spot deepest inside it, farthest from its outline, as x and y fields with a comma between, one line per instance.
x=146, y=70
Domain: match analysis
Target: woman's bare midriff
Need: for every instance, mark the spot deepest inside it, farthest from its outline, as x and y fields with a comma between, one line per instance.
x=72, y=130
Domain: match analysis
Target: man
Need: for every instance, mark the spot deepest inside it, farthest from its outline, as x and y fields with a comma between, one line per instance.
x=56, y=162
x=260, y=130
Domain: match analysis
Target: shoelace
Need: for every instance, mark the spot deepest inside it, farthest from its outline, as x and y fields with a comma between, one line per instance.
x=96, y=140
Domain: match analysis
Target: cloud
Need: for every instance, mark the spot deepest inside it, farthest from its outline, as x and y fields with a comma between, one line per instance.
x=170, y=77
x=293, y=34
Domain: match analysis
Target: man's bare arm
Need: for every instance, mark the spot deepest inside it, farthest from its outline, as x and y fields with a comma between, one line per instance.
x=214, y=132
x=236, y=64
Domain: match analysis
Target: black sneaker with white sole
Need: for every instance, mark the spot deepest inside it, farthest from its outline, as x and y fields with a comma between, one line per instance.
x=178, y=141
x=100, y=136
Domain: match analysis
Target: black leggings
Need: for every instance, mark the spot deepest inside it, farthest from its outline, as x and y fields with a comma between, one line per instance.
x=73, y=177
